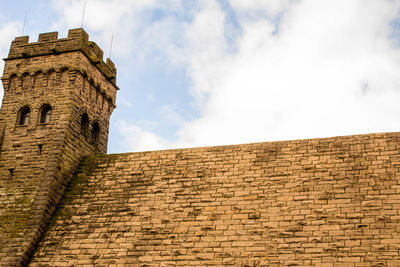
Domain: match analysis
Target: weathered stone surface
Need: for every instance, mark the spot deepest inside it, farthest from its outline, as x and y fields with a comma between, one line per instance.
x=318, y=202
x=70, y=76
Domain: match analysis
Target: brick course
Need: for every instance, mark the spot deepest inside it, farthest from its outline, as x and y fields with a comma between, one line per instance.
x=317, y=202
x=69, y=75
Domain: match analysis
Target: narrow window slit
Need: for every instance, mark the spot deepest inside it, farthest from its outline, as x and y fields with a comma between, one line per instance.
x=10, y=176
x=40, y=147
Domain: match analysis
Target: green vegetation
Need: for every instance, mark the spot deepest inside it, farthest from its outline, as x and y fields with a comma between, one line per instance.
x=76, y=188
x=15, y=216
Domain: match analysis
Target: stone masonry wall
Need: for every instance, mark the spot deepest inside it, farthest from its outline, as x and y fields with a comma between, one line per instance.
x=318, y=202
x=37, y=159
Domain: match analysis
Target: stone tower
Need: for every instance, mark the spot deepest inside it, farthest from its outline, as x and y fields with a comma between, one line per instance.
x=58, y=98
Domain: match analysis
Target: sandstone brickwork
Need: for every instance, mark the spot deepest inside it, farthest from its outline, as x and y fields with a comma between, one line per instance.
x=318, y=202
x=40, y=149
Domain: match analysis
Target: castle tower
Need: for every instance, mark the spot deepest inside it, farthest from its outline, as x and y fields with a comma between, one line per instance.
x=58, y=98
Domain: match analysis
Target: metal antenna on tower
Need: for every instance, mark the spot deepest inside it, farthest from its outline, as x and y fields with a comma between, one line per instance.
x=83, y=13
x=112, y=37
x=23, y=26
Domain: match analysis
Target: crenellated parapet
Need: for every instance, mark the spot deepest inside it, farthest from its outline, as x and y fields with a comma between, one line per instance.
x=77, y=40
x=59, y=95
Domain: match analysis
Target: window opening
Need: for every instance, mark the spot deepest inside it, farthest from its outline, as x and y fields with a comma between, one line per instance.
x=95, y=132
x=40, y=148
x=11, y=173
x=85, y=124
x=24, y=116
x=45, y=114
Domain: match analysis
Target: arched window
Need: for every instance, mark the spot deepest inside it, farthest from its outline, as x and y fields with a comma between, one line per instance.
x=45, y=114
x=95, y=132
x=85, y=124
x=23, y=117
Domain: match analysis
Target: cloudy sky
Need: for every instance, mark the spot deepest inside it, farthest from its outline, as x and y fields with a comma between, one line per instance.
x=214, y=72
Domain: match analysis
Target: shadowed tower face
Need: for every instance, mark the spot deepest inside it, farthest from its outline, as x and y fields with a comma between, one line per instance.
x=58, y=98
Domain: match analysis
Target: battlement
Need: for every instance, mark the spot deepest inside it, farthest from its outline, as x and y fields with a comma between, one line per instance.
x=59, y=95
x=77, y=40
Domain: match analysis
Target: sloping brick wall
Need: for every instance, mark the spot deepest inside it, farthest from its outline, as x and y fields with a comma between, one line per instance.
x=317, y=202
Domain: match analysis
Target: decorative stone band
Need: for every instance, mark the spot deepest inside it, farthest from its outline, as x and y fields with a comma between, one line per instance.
x=77, y=40
x=33, y=74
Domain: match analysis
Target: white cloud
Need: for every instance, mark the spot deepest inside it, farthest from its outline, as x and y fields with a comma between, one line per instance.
x=137, y=138
x=304, y=81
x=330, y=68
x=171, y=115
x=124, y=20
x=7, y=33
x=270, y=7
